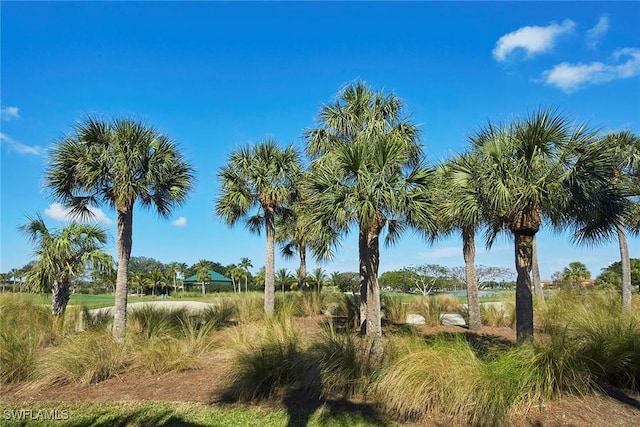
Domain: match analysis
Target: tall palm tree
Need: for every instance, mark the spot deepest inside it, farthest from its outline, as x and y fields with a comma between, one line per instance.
x=245, y=265
x=461, y=209
x=625, y=149
x=263, y=177
x=118, y=163
x=62, y=254
x=541, y=167
x=367, y=172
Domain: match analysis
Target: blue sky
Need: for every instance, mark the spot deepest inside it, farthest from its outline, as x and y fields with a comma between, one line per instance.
x=217, y=76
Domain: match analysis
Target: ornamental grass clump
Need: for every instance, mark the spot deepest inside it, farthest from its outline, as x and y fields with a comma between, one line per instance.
x=340, y=358
x=86, y=358
x=272, y=364
x=25, y=328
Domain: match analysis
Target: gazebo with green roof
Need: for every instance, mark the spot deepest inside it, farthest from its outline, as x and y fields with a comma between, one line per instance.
x=216, y=283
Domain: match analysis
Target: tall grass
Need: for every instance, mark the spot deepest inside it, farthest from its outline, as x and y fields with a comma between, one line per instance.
x=394, y=309
x=85, y=358
x=25, y=327
x=597, y=335
x=427, y=307
x=272, y=364
x=498, y=314
x=343, y=366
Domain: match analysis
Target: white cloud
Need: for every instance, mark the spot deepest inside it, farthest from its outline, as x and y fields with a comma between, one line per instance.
x=571, y=77
x=595, y=34
x=9, y=113
x=532, y=39
x=60, y=213
x=180, y=222
x=19, y=147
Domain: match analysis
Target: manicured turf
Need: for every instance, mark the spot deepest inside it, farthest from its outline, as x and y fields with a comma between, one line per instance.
x=184, y=414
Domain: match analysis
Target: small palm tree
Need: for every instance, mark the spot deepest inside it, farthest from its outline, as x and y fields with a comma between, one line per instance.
x=203, y=276
x=118, y=163
x=263, y=177
x=62, y=254
x=283, y=278
x=245, y=265
x=319, y=277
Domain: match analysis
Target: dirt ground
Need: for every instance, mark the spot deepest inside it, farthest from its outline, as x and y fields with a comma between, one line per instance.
x=205, y=384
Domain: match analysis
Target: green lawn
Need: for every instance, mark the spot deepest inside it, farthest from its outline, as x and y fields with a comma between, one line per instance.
x=84, y=300
x=184, y=414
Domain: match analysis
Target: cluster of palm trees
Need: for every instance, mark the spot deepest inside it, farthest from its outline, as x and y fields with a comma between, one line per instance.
x=366, y=170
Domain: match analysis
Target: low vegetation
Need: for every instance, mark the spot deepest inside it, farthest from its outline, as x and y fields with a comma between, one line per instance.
x=586, y=342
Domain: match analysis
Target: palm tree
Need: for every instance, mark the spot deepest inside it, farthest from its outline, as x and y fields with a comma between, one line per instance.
x=263, y=177
x=283, y=278
x=138, y=281
x=235, y=273
x=625, y=149
x=63, y=254
x=118, y=163
x=319, y=277
x=203, y=276
x=462, y=210
x=245, y=265
x=157, y=279
x=367, y=172
x=541, y=167
x=575, y=273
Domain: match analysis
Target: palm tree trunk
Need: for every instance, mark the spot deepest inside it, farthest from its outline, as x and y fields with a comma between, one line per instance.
x=473, y=302
x=625, y=263
x=59, y=297
x=302, y=280
x=524, y=301
x=124, y=242
x=270, y=264
x=537, y=285
x=362, y=242
x=371, y=326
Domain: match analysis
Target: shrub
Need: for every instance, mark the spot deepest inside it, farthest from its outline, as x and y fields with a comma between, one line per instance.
x=428, y=308
x=498, y=314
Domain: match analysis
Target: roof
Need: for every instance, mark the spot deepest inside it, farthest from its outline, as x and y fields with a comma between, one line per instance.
x=214, y=277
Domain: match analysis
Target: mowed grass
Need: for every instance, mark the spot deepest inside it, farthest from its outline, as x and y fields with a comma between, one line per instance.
x=184, y=414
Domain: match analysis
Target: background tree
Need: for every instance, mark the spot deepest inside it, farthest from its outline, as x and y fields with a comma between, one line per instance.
x=263, y=177
x=118, y=163
x=367, y=172
x=245, y=265
x=138, y=281
x=346, y=281
x=541, y=167
x=157, y=280
x=62, y=254
x=576, y=273
x=612, y=274
x=203, y=276
x=426, y=276
x=284, y=279
x=318, y=278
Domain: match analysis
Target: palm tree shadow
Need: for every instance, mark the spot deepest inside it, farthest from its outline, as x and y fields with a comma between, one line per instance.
x=621, y=396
